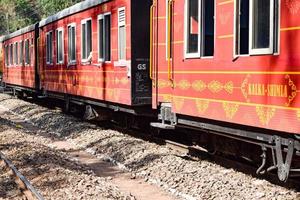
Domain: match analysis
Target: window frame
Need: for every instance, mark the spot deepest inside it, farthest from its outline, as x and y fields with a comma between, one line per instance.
x=50, y=61
x=261, y=51
x=72, y=25
x=119, y=25
x=102, y=16
x=6, y=47
x=275, y=19
x=16, y=57
x=60, y=62
x=84, y=21
x=200, y=53
x=25, y=53
x=11, y=53
x=21, y=53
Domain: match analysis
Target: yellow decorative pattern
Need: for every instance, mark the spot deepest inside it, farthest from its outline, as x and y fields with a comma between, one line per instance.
x=202, y=105
x=265, y=114
x=199, y=85
x=230, y=109
x=215, y=86
x=124, y=81
x=167, y=97
x=184, y=85
x=298, y=115
x=293, y=93
x=163, y=83
x=178, y=103
x=229, y=87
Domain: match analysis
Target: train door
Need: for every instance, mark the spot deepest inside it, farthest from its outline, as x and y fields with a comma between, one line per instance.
x=161, y=65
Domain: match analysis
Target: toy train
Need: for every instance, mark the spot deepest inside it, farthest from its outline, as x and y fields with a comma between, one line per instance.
x=227, y=67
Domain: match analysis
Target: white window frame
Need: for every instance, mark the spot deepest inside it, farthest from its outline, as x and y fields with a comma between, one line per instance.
x=261, y=51
x=186, y=43
x=84, y=22
x=21, y=52
x=72, y=25
x=7, y=56
x=102, y=16
x=51, y=53
x=119, y=25
x=11, y=54
x=201, y=12
x=25, y=57
x=59, y=62
x=15, y=50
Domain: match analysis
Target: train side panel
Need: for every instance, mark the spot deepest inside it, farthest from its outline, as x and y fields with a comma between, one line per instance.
x=107, y=79
x=254, y=90
x=19, y=68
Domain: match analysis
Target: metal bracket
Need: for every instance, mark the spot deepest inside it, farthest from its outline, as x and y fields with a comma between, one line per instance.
x=264, y=159
x=284, y=167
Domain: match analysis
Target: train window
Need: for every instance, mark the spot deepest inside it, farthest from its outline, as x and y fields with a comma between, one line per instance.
x=59, y=46
x=21, y=61
x=208, y=27
x=104, y=37
x=27, y=56
x=256, y=31
x=199, y=16
x=6, y=55
x=107, y=24
x=72, y=43
x=11, y=54
x=86, y=40
x=122, y=34
x=100, y=38
x=16, y=59
x=49, y=47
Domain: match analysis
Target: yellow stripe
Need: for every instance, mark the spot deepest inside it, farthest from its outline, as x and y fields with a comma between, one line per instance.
x=232, y=72
x=235, y=102
x=225, y=36
x=290, y=28
x=225, y=2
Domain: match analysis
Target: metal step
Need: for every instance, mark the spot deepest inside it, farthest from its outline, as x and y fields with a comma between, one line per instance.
x=162, y=126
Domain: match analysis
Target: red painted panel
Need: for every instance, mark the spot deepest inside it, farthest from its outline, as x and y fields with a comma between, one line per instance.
x=21, y=74
x=261, y=91
x=103, y=81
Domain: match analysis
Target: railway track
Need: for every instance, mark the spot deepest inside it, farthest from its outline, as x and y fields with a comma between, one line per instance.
x=24, y=185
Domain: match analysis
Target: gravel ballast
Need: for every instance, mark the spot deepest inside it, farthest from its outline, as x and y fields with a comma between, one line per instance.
x=154, y=163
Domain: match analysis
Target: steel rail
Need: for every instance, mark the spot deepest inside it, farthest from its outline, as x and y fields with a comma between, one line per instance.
x=26, y=188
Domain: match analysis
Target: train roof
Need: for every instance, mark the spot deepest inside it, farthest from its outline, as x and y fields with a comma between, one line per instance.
x=17, y=33
x=71, y=10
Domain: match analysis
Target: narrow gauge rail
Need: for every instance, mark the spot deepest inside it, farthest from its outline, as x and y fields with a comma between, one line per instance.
x=25, y=186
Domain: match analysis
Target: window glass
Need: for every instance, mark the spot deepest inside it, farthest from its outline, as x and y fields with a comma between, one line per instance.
x=11, y=55
x=21, y=53
x=193, y=26
x=6, y=56
x=27, y=56
x=208, y=27
x=59, y=46
x=86, y=40
x=100, y=38
x=261, y=24
x=107, y=37
x=16, y=54
x=71, y=44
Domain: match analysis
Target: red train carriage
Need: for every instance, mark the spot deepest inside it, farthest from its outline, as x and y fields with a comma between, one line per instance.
x=230, y=61
x=19, y=52
x=92, y=51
